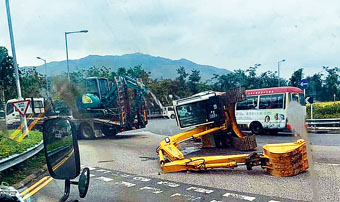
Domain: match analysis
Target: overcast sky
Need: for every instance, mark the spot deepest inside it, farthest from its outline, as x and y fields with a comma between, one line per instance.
x=227, y=34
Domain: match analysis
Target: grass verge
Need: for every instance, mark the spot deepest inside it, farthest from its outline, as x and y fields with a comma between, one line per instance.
x=9, y=147
x=19, y=172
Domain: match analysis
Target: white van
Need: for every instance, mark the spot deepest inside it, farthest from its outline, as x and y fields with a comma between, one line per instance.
x=169, y=112
x=13, y=116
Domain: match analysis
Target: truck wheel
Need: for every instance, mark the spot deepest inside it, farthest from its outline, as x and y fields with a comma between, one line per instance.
x=172, y=116
x=109, y=132
x=86, y=131
x=256, y=128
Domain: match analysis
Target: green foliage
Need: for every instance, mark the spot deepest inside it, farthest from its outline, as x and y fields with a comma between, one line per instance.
x=322, y=112
x=20, y=171
x=33, y=83
x=9, y=147
x=296, y=78
x=7, y=79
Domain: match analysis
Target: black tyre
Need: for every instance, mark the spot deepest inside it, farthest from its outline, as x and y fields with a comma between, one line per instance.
x=86, y=131
x=256, y=128
x=109, y=132
x=172, y=116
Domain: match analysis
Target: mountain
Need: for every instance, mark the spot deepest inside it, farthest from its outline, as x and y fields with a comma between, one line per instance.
x=158, y=66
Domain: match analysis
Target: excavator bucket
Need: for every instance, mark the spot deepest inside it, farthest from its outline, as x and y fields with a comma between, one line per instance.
x=286, y=159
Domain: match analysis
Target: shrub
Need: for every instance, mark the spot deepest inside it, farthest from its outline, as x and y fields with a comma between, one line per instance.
x=324, y=110
x=9, y=147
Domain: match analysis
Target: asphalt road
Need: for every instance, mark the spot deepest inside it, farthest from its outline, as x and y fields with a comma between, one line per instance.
x=125, y=168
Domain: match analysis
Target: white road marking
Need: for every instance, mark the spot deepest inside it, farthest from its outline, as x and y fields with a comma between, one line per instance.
x=200, y=190
x=169, y=184
x=107, y=171
x=273, y=201
x=105, y=179
x=152, y=189
x=177, y=194
x=188, y=197
x=92, y=175
x=239, y=196
x=102, y=170
x=334, y=164
x=125, y=175
x=215, y=201
x=127, y=184
x=143, y=179
x=91, y=168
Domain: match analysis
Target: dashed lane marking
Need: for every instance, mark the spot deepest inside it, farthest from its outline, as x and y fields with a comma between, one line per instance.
x=239, y=196
x=187, y=197
x=126, y=184
x=169, y=184
x=178, y=191
x=142, y=179
x=152, y=189
x=105, y=179
x=200, y=190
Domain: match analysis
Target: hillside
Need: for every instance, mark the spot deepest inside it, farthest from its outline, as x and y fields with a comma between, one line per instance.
x=158, y=66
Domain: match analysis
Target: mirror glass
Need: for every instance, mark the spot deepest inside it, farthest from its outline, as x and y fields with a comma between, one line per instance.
x=62, y=157
x=84, y=181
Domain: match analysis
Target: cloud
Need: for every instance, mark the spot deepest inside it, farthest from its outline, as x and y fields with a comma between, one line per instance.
x=228, y=34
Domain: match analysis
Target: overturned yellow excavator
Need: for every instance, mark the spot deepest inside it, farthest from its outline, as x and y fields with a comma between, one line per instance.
x=210, y=116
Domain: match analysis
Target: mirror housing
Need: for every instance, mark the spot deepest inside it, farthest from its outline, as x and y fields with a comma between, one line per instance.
x=62, y=155
x=61, y=149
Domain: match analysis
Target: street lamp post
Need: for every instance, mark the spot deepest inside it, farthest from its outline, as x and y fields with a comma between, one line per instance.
x=278, y=71
x=39, y=58
x=15, y=64
x=68, y=67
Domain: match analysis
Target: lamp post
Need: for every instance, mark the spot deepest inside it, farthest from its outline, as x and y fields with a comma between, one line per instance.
x=15, y=64
x=278, y=71
x=39, y=58
x=68, y=67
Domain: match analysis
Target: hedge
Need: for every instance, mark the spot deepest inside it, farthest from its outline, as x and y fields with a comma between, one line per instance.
x=9, y=147
x=323, y=110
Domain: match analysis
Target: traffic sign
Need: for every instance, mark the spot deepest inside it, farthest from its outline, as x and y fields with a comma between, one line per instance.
x=21, y=106
x=309, y=100
x=303, y=84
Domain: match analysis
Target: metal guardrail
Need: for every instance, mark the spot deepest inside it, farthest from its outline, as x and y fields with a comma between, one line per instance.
x=323, y=124
x=18, y=158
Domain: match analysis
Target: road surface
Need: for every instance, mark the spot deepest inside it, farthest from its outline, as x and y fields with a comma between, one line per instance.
x=125, y=168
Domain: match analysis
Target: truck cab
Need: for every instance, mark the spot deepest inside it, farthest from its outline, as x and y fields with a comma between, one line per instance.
x=12, y=115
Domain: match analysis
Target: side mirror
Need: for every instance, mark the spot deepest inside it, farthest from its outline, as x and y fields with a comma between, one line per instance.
x=62, y=155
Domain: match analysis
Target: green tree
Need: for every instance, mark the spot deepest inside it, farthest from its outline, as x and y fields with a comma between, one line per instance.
x=194, y=79
x=296, y=78
x=315, y=87
x=7, y=79
x=33, y=84
x=331, y=83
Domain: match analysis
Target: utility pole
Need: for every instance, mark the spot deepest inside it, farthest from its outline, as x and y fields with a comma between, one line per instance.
x=22, y=118
x=278, y=72
x=39, y=58
x=67, y=63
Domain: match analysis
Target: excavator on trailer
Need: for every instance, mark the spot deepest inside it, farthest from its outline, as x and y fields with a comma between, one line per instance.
x=211, y=117
x=111, y=107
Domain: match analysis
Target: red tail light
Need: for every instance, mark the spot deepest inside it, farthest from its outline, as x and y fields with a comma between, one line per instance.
x=288, y=126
